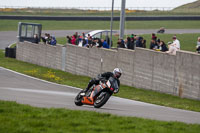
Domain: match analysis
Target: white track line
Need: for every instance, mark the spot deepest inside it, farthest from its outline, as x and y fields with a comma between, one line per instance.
x=2, y=68
x=39, y=91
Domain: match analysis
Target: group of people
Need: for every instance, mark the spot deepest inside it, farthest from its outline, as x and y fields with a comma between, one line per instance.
x=155, y=44
x=129, y=43
x=159, y=45
x=88, y=41
x=48, y=39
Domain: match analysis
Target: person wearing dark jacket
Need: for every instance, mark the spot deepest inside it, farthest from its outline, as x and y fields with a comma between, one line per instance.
x=130, y=44
x=139, y=42
x=153, y=44
x=105, y=76
x=53, y=41
x=120, y=43
x=163, y=46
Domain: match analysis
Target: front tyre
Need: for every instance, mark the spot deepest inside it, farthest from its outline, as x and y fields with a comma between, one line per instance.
x=101, y=99
x=78, y=99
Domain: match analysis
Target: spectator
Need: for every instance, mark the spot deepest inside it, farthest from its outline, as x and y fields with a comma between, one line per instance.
x=84, y=42
x=153, y=36
x=83, y=34
x=132, y=36
x=198, y=45
x=77, y=40
x=53, y=41
x=143, y=43
x=89, y=40
x=108, y=40
x=36, y=39
x=158, y=45
x=69, y=39
x=153, y=44
x=130, y=45
x=163, y=46
x=133, y=39
x=46, y=38
x=175, y=46
x=120, y=43
x=76, y=34
x=139, y=41
x=104, y=43
x=99, y=43
x=73, y=40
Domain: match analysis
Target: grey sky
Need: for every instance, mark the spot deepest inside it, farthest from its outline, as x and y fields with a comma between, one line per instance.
x=93, y=3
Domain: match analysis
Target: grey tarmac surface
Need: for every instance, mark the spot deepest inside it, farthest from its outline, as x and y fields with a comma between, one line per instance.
x=35, y=92
x=9, y=37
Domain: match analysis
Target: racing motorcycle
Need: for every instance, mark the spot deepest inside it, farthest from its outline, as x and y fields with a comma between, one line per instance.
x=99, y=94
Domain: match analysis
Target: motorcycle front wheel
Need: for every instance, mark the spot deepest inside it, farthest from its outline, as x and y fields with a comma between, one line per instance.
x=78, y=99
x=101, y=99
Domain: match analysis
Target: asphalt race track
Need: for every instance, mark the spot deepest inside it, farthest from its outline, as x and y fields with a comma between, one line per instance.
x=9, y=37
x=39, y=93
x=28, y=90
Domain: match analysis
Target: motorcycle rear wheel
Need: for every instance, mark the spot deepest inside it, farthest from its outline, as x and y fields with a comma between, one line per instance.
x=78, y=99
x=101, y=100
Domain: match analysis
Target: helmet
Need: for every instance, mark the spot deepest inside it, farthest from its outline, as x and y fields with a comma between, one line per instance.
x=117, y=72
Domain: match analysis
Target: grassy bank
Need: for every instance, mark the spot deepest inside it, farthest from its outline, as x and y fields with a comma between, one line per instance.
x=82, y=81
x=16, y=118
x=12, y=25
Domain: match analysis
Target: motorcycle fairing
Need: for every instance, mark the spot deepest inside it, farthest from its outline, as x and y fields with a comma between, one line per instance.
x=90, y=99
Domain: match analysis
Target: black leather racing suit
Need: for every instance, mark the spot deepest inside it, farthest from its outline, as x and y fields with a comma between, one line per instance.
x=103, y=76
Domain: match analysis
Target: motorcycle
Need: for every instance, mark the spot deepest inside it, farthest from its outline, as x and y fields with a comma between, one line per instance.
x=99, y=94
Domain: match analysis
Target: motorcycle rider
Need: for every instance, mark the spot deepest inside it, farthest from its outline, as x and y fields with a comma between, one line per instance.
x=117, y=72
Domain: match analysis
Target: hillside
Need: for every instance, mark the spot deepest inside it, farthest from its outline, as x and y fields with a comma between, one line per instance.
x=192, y=7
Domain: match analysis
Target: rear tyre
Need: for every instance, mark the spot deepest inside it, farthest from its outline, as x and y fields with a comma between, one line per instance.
x=101, y=99
x=78, y=99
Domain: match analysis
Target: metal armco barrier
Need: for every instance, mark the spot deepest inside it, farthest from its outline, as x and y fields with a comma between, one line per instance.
x=106, y=18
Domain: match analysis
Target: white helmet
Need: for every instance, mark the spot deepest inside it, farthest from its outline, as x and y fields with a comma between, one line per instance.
x=117, y=72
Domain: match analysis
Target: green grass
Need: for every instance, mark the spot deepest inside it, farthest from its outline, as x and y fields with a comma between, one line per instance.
x=61, y=77
x=12, y=25
x=188, y=41
x=13, y=45
x=17, y=118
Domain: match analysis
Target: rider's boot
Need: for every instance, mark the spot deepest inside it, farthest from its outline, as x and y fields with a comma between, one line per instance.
x=90, y=84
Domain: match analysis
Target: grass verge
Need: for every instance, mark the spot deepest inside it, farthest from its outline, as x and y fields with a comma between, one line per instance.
x=12, y=25
x=17, y=118
x=61, y=77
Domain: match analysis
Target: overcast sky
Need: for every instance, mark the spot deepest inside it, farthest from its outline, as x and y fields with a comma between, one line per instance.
x=93, y=3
